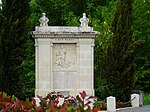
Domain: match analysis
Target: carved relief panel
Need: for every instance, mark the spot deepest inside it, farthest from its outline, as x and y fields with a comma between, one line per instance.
x=64, y=56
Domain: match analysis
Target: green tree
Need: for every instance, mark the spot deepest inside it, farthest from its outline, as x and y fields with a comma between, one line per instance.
x=55, y=10
x=101, y=20
x=120, y=54
x=1, y=65
x=100, y=2
x=141, y=25
x=78, y=6
x=14, y=35
x=26, y=84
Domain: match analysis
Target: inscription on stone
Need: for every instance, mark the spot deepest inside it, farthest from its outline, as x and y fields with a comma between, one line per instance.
x=64, y=39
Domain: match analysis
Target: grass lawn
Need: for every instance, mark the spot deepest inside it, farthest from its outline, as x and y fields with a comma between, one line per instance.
x=147, y=99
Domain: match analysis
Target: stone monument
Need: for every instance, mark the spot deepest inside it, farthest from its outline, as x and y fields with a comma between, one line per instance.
x=64, y=58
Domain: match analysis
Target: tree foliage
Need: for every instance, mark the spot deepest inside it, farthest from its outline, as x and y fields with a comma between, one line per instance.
x=141, y=27
x=1, y=65
x=14, y=35
x=120, y=54
x=55, y=10
x=102, y=23
x=114, y=52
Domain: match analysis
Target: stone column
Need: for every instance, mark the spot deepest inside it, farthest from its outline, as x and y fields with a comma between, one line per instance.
x=36, y=66
x=43, y=79
x=86, y=65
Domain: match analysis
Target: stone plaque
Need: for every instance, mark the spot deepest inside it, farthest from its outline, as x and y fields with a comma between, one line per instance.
x=64, y=56
x=64, y=80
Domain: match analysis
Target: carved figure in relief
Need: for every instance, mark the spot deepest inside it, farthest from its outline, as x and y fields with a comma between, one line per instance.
x=43, y=20
x=65, y=57
x=61, y=57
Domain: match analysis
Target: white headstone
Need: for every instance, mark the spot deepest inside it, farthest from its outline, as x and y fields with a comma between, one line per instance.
x=135, y=100
x=111, y=104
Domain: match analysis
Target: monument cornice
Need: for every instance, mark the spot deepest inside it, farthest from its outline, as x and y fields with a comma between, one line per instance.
x=64, y=35
x=46, y=31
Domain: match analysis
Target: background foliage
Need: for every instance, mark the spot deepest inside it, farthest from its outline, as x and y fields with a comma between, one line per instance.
x=18, y=18
x=16, y=47
x=120, y=52
x=141, y=24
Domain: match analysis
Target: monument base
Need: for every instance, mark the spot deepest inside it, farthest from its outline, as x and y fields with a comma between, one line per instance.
x=65, y=92
x=89, y=92
x=42, y=92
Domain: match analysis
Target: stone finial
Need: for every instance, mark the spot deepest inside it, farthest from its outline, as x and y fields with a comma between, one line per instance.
x=84, y=20
x=43, y=20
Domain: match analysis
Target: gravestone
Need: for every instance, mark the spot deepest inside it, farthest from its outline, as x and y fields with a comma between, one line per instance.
x=64, y=58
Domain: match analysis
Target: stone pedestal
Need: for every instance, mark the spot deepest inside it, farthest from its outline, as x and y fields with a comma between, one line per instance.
x=64, y=59
x=111, y=104
x=135, y=100
x=141, y=96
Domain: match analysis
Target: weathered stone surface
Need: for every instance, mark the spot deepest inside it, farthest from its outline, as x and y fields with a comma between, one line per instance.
x=64, y=58
x=64, y=80
x=111, y=104
x=135, y=100
x=141, y=96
